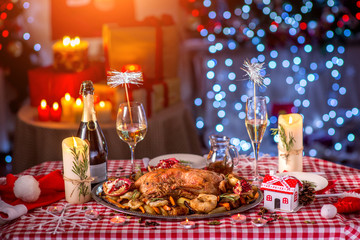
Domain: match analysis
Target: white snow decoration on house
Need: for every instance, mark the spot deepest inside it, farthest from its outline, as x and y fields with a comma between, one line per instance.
x=281, y=193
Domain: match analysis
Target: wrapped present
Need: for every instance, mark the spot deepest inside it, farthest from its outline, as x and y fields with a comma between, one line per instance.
x=152, y=44
x=51, y=85
x=154, y=97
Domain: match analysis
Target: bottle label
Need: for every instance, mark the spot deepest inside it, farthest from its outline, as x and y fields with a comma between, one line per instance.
x=98, y=172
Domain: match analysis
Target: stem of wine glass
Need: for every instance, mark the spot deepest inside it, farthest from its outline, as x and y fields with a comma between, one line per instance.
x=132, y=150
x=256, y=147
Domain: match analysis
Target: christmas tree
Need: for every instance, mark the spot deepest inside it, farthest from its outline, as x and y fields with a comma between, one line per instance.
x=15, y=52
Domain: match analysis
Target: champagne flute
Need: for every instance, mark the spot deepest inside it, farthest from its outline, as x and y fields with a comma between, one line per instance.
x=131, y=126
x=256, y=123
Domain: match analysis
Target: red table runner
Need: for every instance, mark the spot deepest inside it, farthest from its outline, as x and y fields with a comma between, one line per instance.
x=307, y=223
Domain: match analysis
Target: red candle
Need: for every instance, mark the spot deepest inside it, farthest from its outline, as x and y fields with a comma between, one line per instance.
x=43, y=111
x=55, y=112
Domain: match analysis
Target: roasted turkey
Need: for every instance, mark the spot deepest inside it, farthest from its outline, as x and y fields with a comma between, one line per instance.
x=180, y=181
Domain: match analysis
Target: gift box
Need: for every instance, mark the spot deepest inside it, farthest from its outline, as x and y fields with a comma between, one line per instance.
x=152, y=44
x=154, y=96
x=51, y=85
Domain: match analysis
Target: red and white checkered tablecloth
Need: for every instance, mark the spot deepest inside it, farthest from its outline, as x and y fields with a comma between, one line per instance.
x=307, y=223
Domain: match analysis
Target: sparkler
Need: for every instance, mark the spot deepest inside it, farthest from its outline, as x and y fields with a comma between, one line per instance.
x=117, y=78
x=253, y=71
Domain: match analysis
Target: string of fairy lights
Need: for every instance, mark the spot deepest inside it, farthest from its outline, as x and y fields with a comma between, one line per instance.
x=15, y=40
x=285, y=37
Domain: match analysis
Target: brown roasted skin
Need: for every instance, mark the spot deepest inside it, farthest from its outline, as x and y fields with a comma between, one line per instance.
x=184, y=182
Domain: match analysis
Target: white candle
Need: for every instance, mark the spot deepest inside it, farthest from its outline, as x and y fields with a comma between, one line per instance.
x=91, y=214
x=187, y=224
x=116, y=221
x=55, y=209
x=77, y=191
x=66, y=106
x=259, y=222
x=291, y=159
x=103, y=111
x=238, y=218
x=77, y=109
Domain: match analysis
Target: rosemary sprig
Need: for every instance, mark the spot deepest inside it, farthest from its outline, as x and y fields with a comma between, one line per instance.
x=80, y=168
x=283, y=137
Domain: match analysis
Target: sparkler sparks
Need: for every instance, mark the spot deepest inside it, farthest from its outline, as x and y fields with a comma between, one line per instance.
x=253, y=72
x=118, y=78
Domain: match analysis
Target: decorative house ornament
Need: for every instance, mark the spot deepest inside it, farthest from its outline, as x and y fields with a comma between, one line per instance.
x=281, y=193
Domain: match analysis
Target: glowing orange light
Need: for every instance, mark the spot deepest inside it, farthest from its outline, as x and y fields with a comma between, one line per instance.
x=200, y=27
x=5, y=33
x=9, y=6
x=102, y=104
x=67, y=96
x=43, y=104
x=131, y=68
x=66, y=41
x=75, y=145
x=195, y=12
x=77, y=40
x=346, y=18
x=187, y=220
x=78, y=102
x=55, y=106
x=290, y=120
x=3, y=16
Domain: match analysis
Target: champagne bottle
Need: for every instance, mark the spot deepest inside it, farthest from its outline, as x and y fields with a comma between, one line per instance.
x=90, y=130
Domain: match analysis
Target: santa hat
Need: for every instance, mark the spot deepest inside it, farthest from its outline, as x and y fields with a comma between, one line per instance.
x=11, y=207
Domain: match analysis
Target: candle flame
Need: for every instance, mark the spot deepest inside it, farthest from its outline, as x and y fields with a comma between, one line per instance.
x=43, y=104
x=72, y=43
x=102, y=104
x=66, y=41
x=77, y=40
x=238, y=215
x=187, y=220
x=78, y=102
x=67, y=96
x=290, y=120
x=55, y=106
x=75, y=145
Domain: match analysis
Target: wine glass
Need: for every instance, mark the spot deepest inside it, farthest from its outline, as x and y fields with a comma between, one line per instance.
x=256, y=122
x=131, y=126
